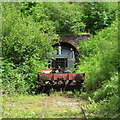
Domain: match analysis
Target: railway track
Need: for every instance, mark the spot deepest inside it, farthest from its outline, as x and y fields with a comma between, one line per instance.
x=64, y=104
x=45, y=109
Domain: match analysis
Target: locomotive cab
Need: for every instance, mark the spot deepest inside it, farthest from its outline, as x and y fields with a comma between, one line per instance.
x=64, y=57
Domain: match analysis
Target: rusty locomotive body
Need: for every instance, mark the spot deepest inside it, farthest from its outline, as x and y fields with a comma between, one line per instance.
x=61, y=81
x=60, y=76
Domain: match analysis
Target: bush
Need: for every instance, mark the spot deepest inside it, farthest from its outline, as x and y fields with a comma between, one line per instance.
x=99, y=57
x=99, y=60
x=26, y=49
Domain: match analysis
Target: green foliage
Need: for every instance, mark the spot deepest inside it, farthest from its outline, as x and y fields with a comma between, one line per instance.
x=65, y=17
x=27, y=46
x=109, y=88
x=99, y=60
x=98, y=15
x=108, y=108
x=29, y=31
x=25, y=37
x=12, y=80
x=106, y=99
x=99, y=57
x=72, y=18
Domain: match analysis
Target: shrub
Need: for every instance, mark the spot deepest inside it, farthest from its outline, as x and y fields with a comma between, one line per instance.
x=26, y=49
x=99, y=57
x=99, y=60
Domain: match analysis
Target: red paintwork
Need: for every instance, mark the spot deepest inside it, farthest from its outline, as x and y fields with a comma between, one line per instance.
x=61, y=81
x=60, y=76
x=46, y=70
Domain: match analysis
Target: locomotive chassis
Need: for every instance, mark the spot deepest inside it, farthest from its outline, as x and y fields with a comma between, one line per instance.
x=61, y=81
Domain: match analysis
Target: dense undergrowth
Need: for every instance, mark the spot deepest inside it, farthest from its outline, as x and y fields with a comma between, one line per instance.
x=99, y=60
x=26, y=48
x=30, y=29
